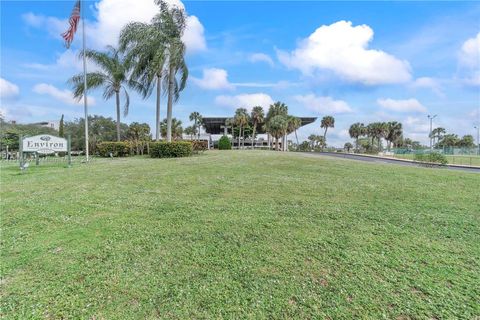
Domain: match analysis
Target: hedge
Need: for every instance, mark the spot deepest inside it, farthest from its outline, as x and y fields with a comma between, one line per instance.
x=199, y=145
x=173, y=149
x=115, y=149
x=224, y=143
x=433, y=157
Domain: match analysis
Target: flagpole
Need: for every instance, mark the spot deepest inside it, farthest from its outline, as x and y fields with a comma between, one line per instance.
x=82, y=10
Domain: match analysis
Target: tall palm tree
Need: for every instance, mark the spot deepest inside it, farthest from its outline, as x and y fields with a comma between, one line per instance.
x=438, y=133
x=112, y=76
x=294, y=123
x=277, y=126
x=144, y=45
x=159, y=56
x=356, y=131
x=393, y=130
x=190, y=130
x=197, y=119
x=276, y=109
x=327, y=122
x=258, y=116
x=241, y=120
x=177, y=129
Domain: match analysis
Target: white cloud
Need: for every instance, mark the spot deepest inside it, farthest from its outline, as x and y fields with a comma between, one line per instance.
x=429, y=83
x=213, y=79
x=323, y=104
x=470, y=52
x=469, y=58
x=8, y=89
x=261, y=57
x=64, y=96
x=343, y=49
x=244, y=100
x=111, y=16
x=407, y=105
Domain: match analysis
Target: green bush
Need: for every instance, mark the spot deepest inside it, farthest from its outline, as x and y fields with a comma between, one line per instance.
x=117, y=149
x=173, y=149
x=198, y=146
x=224, y=143
x=433, y=157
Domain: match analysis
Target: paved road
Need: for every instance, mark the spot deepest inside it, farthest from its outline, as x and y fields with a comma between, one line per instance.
x=391, y=161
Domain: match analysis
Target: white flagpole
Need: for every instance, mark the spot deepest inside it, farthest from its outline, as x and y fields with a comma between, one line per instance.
x=82, y=9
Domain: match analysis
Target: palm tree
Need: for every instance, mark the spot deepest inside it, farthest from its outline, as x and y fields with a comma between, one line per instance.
x=278, y=108
x=177, y=129
x=312, y=138
x=327, y=122
x=258, y=116
x=438, y=133
x=294, y=123
x=197, y=119
x=158, y=52
x=356, y=131
x=190, y=130
x=241, y=120
x=393, y=130
x=112, y=76
x=277, y=126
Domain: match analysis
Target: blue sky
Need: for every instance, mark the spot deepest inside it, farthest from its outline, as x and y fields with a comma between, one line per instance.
x=357, y=61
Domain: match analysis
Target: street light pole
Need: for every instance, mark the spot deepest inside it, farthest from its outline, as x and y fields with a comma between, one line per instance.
x=431, y=123
x=478, y=138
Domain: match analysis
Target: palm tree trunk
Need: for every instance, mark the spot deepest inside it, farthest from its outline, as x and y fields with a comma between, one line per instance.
x=253, y=135
x=239, y=134
x=276, y=144
x=117, y=100
x=157, y=119
x=170, y=103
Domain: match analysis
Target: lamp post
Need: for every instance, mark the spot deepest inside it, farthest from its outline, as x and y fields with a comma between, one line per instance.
x=478, y=137
x=430, y=135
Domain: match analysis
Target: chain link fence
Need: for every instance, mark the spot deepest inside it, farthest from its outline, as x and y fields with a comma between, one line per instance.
x=459, y=156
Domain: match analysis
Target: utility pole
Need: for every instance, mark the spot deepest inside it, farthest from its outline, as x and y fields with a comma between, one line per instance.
x=478, y=138
x=430, y=135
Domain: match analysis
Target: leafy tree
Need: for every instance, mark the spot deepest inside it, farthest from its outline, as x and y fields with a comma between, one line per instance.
x=327, y=122
x=348, y=146
x=139, y=135
x=258, y=117
x=176, y=128
x=356, y=131
x=101, y=129
x=312, y=138
x=197, y=119
x=10, y=133
x=467, y=141
x=61, y=128
x=113, y=77
x=241, y=120
x=224, y=143
x=448, y=140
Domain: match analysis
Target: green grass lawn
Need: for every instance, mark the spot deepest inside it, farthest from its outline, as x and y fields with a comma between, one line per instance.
x=239, y=234
x=469, y=160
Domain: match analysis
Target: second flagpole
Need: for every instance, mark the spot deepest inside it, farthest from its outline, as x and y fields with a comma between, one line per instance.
x=82, y=9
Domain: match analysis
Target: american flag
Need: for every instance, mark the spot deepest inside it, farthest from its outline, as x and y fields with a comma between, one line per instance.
x=73, y=21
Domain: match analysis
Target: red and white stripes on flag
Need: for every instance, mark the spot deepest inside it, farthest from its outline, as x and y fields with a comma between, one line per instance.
x=73, y=21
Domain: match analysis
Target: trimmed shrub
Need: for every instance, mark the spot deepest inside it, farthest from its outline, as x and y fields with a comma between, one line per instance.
x=198, y=146
x=433, y=157
x=116, y=149
x=173, y=149
x=224, y=143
